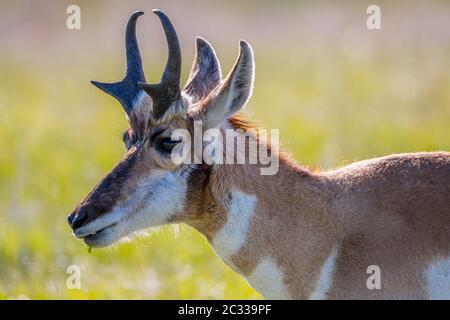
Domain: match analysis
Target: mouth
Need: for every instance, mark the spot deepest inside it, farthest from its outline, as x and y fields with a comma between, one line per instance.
x=98, y=238
x=98, y=233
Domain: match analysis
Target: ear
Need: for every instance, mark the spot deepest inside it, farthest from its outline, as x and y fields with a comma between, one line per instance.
x=205, y=72
x=235, y=90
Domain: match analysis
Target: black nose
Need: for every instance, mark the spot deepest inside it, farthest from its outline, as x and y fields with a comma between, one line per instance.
x=80, y=217
x=70, y=217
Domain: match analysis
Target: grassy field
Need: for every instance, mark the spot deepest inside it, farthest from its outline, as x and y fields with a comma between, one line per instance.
x=337, y=91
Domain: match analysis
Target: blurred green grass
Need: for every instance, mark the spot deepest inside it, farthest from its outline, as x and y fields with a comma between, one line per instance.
x=59, y=136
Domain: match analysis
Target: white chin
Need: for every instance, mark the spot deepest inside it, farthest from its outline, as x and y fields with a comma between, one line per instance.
x=103, y=238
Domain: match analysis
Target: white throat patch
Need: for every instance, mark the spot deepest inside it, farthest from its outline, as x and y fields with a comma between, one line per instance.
x=267, y=279
x=326, y=276
x=233, y=234
x=438, y=280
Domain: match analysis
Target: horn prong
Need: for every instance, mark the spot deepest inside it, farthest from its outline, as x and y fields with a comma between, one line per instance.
x=105, y=87
x=127, y=90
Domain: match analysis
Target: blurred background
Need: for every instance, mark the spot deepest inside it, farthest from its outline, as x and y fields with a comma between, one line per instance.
x=337, y=91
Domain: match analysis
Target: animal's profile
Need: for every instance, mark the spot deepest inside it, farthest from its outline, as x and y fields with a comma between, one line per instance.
x=296, y=234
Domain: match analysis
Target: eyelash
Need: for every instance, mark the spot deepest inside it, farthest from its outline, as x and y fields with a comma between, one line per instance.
x=166, y=145
x=163, y=144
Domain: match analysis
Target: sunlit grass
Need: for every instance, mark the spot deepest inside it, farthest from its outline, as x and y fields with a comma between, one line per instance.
x=59, y=136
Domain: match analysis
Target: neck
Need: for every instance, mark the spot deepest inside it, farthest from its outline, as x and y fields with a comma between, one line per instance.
x=256, y=220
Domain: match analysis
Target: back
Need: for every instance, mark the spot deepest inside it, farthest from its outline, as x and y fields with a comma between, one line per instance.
x=396, y=215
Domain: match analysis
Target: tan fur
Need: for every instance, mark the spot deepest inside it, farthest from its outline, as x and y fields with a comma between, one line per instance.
x=393, y=212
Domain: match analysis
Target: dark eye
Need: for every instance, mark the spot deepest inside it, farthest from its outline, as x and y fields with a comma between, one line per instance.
x=167, y=144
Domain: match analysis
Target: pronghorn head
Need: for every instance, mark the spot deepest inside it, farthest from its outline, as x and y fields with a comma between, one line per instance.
x=147, y=188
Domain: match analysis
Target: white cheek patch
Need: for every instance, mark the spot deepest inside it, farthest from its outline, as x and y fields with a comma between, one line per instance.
x=267, y=279
x=233, y=234
x=326, y=276
x=156, y=199
x=438, y=280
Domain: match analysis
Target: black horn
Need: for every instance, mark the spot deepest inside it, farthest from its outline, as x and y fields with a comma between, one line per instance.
x=127, y=90
x=167, y=90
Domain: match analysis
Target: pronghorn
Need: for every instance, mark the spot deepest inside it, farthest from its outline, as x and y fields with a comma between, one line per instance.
x=297, y=234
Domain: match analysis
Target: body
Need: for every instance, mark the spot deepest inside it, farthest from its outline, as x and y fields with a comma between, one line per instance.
x=393, y=212
x=294, y=234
